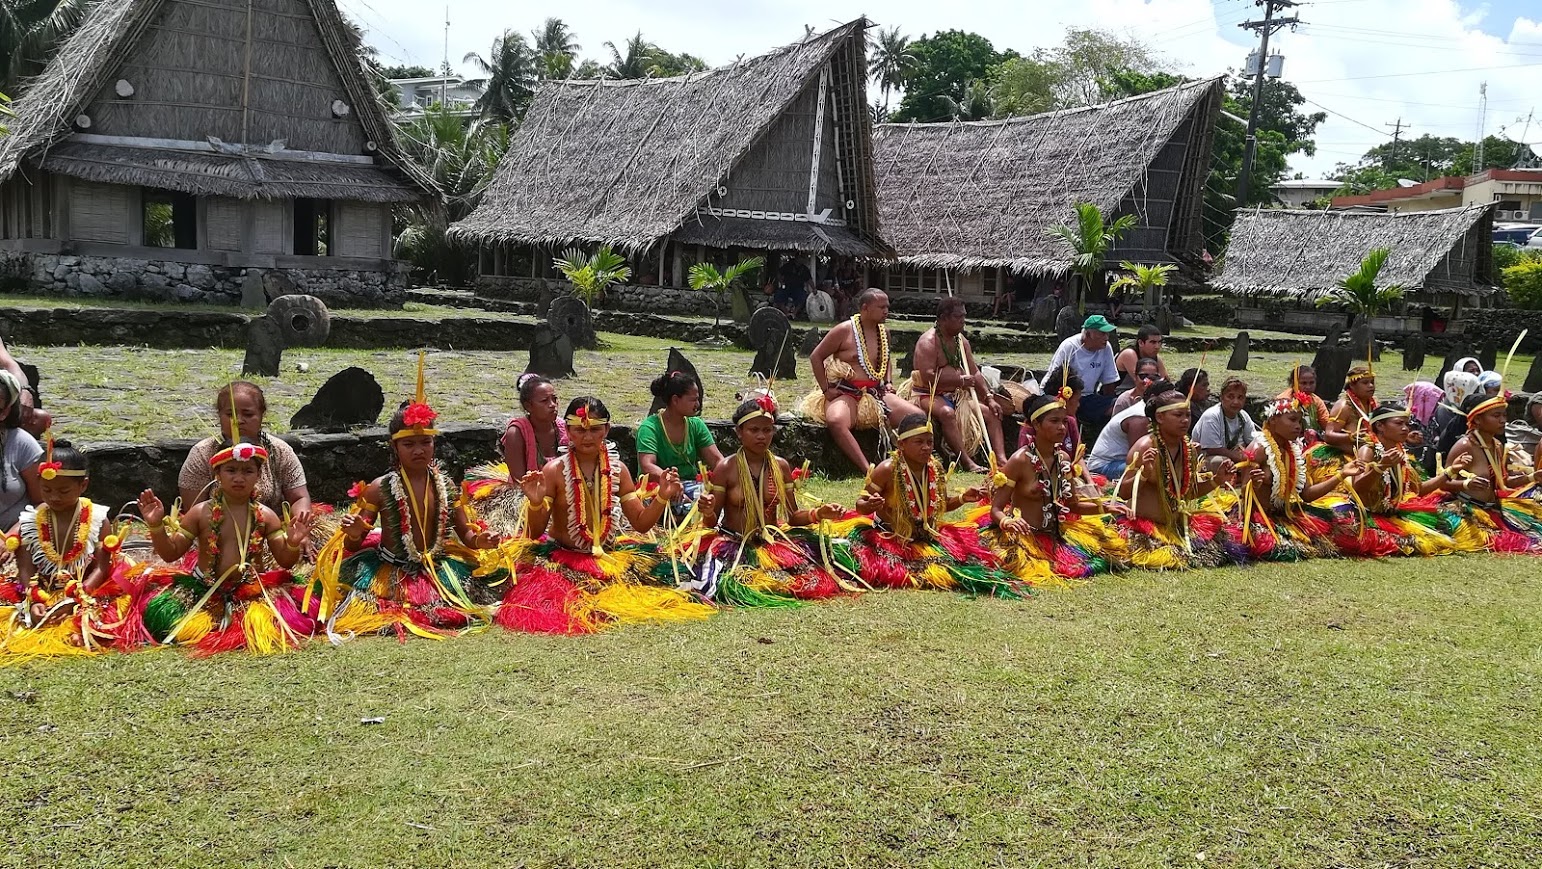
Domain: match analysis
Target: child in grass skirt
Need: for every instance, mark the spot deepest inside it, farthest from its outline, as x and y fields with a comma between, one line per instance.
x=1347, y=426
x=763, y=551
x=1383, y=507
x=909, y=545
x=1174, y=523
x=1044, y=529
x=240, y=594
x=429, y=569
x=1493, y=491
x=585, y=574
x=1276, y=508
x=66, y=598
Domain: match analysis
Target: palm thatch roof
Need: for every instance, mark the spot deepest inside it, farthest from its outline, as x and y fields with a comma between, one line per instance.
x=304, y=56
x=1299, y=254
x=975, y=194
x=631, y=163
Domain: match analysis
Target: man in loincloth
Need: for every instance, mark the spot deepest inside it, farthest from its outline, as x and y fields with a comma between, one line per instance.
x=947, y=384
x=853, y=371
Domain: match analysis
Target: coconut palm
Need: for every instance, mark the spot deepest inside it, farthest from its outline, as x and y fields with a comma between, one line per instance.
x=509, y=76
x=592, y=275
x=555, y=49
x=1360, y=293
x=977, y=104
x=706, y=277
x=1090, y=241
x=462, y=161
x=30, y=31
x=890, y=62
x=5, y=112
x=1146, y=280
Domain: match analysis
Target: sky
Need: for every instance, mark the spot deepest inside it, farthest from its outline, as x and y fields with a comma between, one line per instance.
x=1368, y=63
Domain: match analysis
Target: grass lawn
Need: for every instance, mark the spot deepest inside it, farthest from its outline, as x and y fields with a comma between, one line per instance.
x=1328, y=714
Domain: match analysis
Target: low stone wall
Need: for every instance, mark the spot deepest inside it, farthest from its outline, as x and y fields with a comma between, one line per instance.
x=171, y=281
x=1502, y=325
x=334, y=462
x=650, y=300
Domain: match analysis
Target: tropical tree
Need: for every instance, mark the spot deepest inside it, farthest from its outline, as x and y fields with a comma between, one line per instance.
x=5, y=112
x=1146, y=280
x=30, y=31
x=508, y=74
x=1360, y=293
x=890, y=61
x=945, y=65
x=634, y=62
x=976, y=104
x=1090, y=241
x=555, y=49
x=592, y=275
x=706, y=277
x=462, y=161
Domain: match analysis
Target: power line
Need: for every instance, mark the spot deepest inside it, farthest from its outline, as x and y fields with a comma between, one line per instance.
x=1265, y=29
x=1424, y=72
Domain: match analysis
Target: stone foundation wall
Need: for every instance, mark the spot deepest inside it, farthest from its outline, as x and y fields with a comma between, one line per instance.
x=170, y=281
x=648, y=300
x=1501, y=326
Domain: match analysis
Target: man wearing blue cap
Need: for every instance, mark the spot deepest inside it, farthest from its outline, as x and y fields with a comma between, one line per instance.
x=1090, y=356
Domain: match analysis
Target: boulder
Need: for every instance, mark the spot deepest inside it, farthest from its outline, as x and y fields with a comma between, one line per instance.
x=351, y=398
x=201, y=277
x=276, y=284
x=811, y=339
x=1332, y=365
x=1067, y=323
x=1360, y=340
x=1534, y=375
x=253, y=294
x=770, y=338
x=90, y=286
x=264, y=347
x=1413, y=353
x=1488, y=354
x=1041, y=318
x=122, y=282
x=551, y=353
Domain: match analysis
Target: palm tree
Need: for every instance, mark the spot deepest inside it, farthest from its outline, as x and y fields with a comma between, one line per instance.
x=1147, y=280
x=891, y=62
x=1360, y=293
x=509, y=75
x=590, y=276
x=462, y=161
x=555, y=48
x=5, y=112
x=1090, y=241
x=635, y=63
x=30, y=31
x=706, y=277
x=977, y=104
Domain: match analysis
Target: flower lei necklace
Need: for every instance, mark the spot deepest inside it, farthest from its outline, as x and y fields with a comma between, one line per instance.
x=78, y=532
x=864, y=358
x=1393, y=480
x=923, y=501
x=590, y=514
x=408, y=509
x=1175, y=483
x=251, y=531
x=1057, y=479
x=1284, y=470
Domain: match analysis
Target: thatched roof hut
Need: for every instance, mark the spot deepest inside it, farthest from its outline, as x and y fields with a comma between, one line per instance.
x=978, y=195
x=771, y=153
x=253, y=130
x=1300, y=255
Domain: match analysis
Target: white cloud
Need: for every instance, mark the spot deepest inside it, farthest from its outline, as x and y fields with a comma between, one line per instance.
x=1352, y=56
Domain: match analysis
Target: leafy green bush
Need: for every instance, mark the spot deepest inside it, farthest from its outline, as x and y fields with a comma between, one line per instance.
x=1523, y=282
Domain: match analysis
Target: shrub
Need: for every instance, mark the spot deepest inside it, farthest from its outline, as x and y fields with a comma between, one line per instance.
x=1523, y=282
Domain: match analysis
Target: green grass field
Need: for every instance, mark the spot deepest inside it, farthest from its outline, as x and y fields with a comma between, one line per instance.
x=1324, y=714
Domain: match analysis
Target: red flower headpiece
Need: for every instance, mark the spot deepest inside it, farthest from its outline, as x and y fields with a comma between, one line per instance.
x=767, y=404
x=419, y=415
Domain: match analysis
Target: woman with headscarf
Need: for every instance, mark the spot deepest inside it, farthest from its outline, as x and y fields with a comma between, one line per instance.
x=1450, y=420
x=1424, y=402
x=20, y=485
x=1491, y=382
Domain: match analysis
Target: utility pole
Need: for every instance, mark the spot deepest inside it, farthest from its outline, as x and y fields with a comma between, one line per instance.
x=444, y=83
x=1397, y=132
x=1265, y=28
x=1477, y=151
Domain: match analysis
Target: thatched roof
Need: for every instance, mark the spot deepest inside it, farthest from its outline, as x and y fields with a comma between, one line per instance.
x=982, y=193
x=629, y=163
x=1293, y=253
x=121, y=35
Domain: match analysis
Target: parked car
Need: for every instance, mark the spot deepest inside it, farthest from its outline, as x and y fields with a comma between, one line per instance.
x=1535, y=241
x=1520, y=233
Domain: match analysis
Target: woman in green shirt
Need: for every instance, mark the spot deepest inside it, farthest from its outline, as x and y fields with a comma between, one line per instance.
x=675, y=437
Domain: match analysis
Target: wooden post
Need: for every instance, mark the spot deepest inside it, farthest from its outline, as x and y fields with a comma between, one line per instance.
x=678, y=271
x=819, y=136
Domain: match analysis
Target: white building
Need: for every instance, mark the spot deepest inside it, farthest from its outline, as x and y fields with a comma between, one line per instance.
x=416, y=94
x=1301, y=192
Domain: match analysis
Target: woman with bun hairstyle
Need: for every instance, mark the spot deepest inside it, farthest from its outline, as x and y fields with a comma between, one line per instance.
x=676, y=437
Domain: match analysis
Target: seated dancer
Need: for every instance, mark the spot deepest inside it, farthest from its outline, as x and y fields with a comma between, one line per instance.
x=492, y=490
x=240, y=594
x=910, y=545
x=1175, y=524
x=62, y=602
x=1492, y=476
x=763, y=552
x=1045, y=530
x=1280, y=522
x=1301, y=386
x=676, y=437
x=948, y=385
x=1347, y=426
x=415, y=574
x=853, y=373
x=1389, y=510
x=585, y=575
x=283, y=478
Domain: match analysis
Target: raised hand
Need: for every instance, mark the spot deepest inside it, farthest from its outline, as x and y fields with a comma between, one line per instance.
x=534, y=486
x=1256, y=476
x=300, y=528
x=151, y=508
x=1148, y=461
x=355, y=526
x=669, y=487
x=706, y=502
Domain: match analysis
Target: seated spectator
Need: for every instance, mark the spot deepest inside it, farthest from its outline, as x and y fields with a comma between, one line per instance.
x=793, y=284
x=1226, y=431
x=1147, y=372
x=1148, y=345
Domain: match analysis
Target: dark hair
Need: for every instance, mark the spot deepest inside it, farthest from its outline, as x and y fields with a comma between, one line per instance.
x=1190, y=377
x=245, y=386
x=1033, y=403
x=1147, y=361
x=949, y=306
x=1156, y=398
x=868, y=295
x=527, y=384
x=69, y=458
x=912, y=420
x=1149, y=330
x=1233, y=380
x=1397, y=407
x=1297, y=373
x=667, y=387
x=1052, y=381
x=752, y=405
x=1472, y=401
x=591, y=405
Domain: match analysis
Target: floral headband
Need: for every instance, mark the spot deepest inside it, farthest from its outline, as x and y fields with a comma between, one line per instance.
x=765, y=406
x=582, y=419
x=48, y=468
x=418, y=418
x=1497, y=401
x=915, y=431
